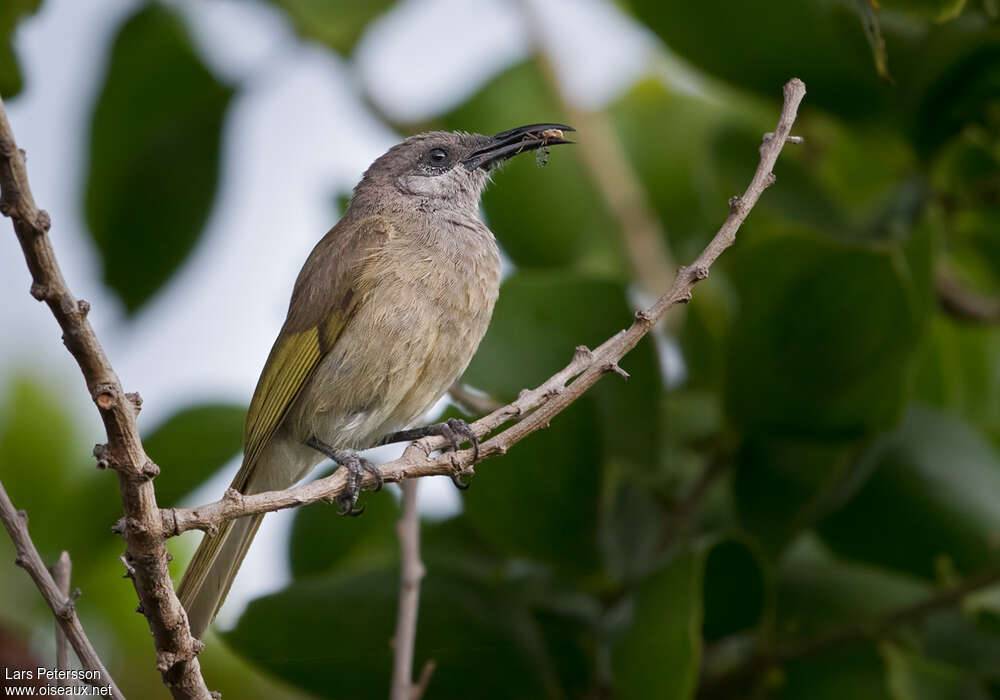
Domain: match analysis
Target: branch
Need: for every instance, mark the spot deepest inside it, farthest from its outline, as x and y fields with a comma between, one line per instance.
x=411, y=573
x=472, y=400
x=61, y=605
x=727, y=684
x=534, y=408
x=61, y=573
x=964, y=304
x=145, y=543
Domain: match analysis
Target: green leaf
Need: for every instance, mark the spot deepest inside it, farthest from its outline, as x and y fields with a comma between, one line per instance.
x=934, y=498
x=914, y=677
x=330, y=635
x=666, y=137
x=825, y=336
x=784, y=485
x=40, y=452
x=548, y=486
x=154, y=154
x=322, y=539
x=527, y=207
x=559, y=311
x=760, y=46
x=191, y=445
x=943, y=74
x=659, y=655
x=337, y=23
x=734, y=589
x=817, y=591
x=551, y=483
x=958, y=371
x=854, y=671
x=11, y=13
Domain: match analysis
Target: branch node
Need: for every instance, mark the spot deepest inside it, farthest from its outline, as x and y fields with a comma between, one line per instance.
x=616, y=368
x=43, y=222
x=150, y=470
x=83, y=307
x=129, y=569
x=135, y=400
x=770, y=179
x=142, y=611
x=103, y=455
x=68, y=609
x=698, y=272
x=105, y=396
x=582, y=352
x=736, y=202
x=40, y=291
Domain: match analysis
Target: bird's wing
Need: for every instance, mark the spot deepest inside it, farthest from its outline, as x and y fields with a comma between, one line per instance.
x=322, y=304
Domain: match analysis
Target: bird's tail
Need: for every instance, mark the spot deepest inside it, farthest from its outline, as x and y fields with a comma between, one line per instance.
x=210, y=574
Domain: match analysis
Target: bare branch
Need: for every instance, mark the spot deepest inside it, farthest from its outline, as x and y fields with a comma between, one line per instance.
x=145, y=544
x=472, y=400
x=534, y=408
x=411, y=573
x=964, y=304
x=61, y=605
x=61, y=575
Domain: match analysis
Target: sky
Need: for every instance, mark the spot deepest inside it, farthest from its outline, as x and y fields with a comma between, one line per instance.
x=298, y=132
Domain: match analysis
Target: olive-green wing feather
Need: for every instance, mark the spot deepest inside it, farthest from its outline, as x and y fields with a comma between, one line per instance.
x=322, y=303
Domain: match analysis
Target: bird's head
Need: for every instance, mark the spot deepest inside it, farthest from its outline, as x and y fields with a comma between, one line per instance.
x=450, y=169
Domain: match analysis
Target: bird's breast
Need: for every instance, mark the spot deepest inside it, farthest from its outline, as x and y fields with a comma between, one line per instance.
x=424, y=306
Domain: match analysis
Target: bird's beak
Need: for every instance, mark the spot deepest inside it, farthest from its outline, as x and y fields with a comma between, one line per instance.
x=513, y=141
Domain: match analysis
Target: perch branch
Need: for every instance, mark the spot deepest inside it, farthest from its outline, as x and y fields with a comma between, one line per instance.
x=16, y=524
x=964, y=304
x=534, y=408
x=61, y=574
x=145, y=544
x=411, y=573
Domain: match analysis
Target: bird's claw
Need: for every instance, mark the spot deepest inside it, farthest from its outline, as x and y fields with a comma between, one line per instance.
x=456, y=431
x=355, y=466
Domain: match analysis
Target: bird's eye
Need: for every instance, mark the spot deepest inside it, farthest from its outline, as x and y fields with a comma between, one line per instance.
x=437, y=156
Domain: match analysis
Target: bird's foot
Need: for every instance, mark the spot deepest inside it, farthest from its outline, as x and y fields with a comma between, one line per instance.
x=355, y=466
x=454, y=430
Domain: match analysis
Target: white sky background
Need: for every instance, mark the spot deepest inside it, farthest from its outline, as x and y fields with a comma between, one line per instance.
x=296, y=134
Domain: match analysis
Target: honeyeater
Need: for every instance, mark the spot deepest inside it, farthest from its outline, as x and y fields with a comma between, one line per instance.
x=385, y=315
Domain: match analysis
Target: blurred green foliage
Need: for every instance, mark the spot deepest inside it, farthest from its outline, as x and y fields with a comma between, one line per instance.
x=11, y=12
x=154, y=154
x=828, y=458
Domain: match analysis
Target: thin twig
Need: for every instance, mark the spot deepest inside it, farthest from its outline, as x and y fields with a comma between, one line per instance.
x=176, y=649
x=61, y=573
x=420, y=687
x=61, y=605
x=964, y=304
x=411, y=573
x=534, y=408
x=473, y=400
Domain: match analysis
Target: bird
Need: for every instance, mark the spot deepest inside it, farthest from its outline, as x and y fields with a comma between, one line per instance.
x=386, y=313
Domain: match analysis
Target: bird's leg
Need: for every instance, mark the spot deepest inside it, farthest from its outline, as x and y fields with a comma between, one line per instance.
x=355, y=465
x=451, y=430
